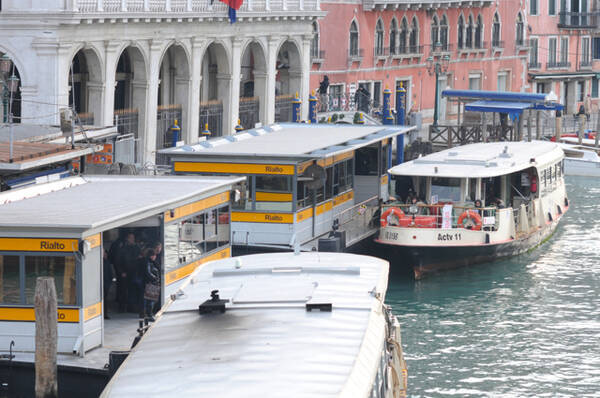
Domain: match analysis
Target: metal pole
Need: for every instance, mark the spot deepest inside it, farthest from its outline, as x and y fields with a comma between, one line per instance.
x=10, y=139
x=435, y=109
x=4, y=104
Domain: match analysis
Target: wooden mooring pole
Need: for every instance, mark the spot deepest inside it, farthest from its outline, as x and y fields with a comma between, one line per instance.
x=46, y=385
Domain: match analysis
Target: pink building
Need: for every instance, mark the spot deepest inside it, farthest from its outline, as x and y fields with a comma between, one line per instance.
x=564, y=50
x=384, y=43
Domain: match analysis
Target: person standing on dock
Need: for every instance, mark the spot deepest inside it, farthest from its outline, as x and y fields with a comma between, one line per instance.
x=152, y=285
x=323, y=87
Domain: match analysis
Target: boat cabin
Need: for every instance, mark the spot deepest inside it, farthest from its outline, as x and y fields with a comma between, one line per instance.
x=81, y=230
x=437, y=189
x=299, y=179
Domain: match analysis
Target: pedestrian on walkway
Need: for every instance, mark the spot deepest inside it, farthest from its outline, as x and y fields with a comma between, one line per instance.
x=323, y=87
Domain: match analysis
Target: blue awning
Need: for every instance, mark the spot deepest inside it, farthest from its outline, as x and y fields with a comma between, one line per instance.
x=514, y=109
x=495, y=95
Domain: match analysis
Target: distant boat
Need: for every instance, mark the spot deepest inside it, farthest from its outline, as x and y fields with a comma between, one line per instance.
x=475, y=203
x=272, y=325
x=581, y=160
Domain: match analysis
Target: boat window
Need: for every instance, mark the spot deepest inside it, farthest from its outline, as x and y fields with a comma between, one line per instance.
x=189, y=239
x=303, y=196
x=329, y=183
x=61, y=268
x=242, y=195
x=10, y=289
x=446, y=189
x=384, y=159
x=273, y=193
x=342, y=176
x=366, y=161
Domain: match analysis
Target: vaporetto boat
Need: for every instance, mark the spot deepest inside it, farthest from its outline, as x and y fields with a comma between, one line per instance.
x=581, y=160
x=474, y=203
x=272, y=325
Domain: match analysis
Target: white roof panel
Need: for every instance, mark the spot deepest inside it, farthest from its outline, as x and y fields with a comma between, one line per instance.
x=482, y=160
x=267, y=348
x=92, y=201
x=290, y=140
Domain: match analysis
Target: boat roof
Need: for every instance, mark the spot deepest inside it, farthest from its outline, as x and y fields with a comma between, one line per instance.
x=266, y=344
x=292, y=140
x=97, y=202
x=482, y=160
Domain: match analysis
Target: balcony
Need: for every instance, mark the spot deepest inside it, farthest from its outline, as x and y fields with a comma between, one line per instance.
x=317, y=56
x=381, y=52
x=558, y=65
x=578, y=20
x=440, y=48
x=355, y=55
x=534, y=65
x=423, y=5
x=169, y=9
x=497, y=45
x=585, y=64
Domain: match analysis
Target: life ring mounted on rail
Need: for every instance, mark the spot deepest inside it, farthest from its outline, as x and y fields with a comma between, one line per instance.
x=383, y=221
x=473, y=220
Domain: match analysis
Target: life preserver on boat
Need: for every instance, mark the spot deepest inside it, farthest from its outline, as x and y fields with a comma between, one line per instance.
x=474, y=217
x=383, y=221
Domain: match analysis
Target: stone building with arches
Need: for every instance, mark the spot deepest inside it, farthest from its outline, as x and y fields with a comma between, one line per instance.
x=126, y=62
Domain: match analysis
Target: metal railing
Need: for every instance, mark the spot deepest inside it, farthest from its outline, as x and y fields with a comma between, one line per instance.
x=558, y=64
x=249, y=109
x=359, y=220
x=534, y=65
x=381, y=51
x=317, y=55
x=166, y=116
x=283, y=108
x=127, y=121
x=585, y=64
x=582, y=20
x=430, y=216
x=186, y=6
x=356, y=54
x=211, y=114
x=497, y=44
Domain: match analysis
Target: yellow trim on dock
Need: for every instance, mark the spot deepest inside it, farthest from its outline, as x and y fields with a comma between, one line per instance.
x=186, y=270
x=94, y=240
x=92, y=311
x=22, y=314
x=39, y=245
x=233, y=168
x=273, y=197
x=276, y=218
x=196, y=207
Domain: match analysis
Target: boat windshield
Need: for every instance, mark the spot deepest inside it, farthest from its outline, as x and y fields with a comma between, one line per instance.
x=445, y=189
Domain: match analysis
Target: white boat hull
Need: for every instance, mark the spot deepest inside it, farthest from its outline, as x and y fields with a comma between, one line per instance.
x=582, y=167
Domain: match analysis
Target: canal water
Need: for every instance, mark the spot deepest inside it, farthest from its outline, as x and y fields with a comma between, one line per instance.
x=525, y=327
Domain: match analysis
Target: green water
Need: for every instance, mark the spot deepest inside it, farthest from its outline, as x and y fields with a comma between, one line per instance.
x=525, y=327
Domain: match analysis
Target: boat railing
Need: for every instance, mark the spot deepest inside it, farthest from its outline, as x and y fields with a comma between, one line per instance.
x=359, y=219
x=432, y=216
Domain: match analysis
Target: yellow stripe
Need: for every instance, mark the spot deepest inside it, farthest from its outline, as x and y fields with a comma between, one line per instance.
x=92, y=311
x=322, y=208
x=384, y=180
x=343, y=198
x=385, y=142
x=278, y=218
x=273, y=197
x=195, y=207
x=303, y=166
x=39, y=245
x=70, y=315
x=304, y=215
x=186, y=270
x=343, y=156
x=233, y=168
x=94, y=240
x=325, y=162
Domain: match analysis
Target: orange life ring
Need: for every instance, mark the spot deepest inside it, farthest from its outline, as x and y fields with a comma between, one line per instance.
x=392, y=210
x=473, y=215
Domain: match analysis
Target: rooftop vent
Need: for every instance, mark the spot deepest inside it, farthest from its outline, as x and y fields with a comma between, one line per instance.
x=505, y=153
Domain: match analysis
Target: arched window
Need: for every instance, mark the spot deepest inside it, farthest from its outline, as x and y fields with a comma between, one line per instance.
x=469, y=34
x=496, y=31
x=435, y=33
x=403, y=36
x=379, y=38
x=520, y=33
x=479, y=32
x=461, y=32
x=353, y=39
x=314, y=43
x=444, y=33
x=393, y=36
x=414, y=36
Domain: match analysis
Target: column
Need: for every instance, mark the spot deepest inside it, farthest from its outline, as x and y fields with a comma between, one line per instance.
x=149, y=128
x=224, y=94
x=234, y=86
x=43, y=86
x=95, y=92
x=111, y=59
x=63, y=78
x=192, y=121
x=271, y=72
x=305, y=83
x=260, y=91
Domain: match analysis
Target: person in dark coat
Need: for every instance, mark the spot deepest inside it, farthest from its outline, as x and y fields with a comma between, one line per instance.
x=126, y=264
x=323, y=87
x=151, y=277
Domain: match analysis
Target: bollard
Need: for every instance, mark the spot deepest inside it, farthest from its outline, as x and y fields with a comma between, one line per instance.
x=400, y=116
x=312, y=108
x=296, y=103
x=239, y=127
x=361, y=119
x=387, y=117
x=206, y=132
x=175, y=131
